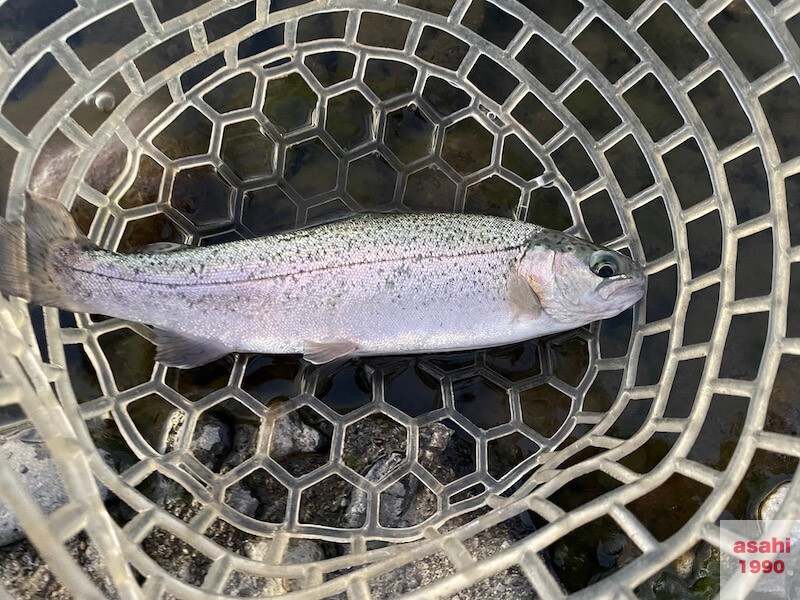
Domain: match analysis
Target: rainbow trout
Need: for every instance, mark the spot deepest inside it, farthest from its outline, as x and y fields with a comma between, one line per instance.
x=373, y=284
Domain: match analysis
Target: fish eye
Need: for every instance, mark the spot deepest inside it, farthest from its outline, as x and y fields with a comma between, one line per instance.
x=604, y=264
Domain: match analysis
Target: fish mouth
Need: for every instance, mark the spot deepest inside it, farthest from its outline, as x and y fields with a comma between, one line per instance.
x=630, y=288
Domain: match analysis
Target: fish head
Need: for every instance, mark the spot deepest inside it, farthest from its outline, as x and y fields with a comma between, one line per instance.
x=578, y=282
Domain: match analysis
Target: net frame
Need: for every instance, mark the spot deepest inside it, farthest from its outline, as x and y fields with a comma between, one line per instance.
x=60, y=420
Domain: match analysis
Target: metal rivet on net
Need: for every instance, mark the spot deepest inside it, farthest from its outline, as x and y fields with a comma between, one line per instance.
x=105, y=101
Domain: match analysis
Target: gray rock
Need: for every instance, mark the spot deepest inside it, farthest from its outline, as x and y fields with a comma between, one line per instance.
x=507, y=584
x=291, y=436
x=303, y=551
x=247, y=584
x=211, y=442
x=393, y=500
x=25, y=574
x=245, y=441
x=239, y=498
x=772, y=502
x=434, y=439
x=608, y=551
x=28, y=455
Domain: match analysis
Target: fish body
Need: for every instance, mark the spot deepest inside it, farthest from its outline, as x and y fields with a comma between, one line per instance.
x=374, y=284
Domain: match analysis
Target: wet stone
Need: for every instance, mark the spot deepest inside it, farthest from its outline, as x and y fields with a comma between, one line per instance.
x=290, y=436
x=25, y=574
x=507, y=452
x=393, y=501
x=326, y=502
x=446, y=451
x=695, y=574
x=248, y=585
x=433, y=440
x=176, y=556
x=268, y=492
x=591, y=551
x=772, y=502
x=406, y=502
x=157, y=420
x=211, y=441
x=422, y=503
x=240, y=498
x=170, y=495
x=28, y=456
x=245, y=439
x=371, y=438
x=301, y=464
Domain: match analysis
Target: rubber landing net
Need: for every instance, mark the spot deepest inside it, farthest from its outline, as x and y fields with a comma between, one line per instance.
x=665, y=129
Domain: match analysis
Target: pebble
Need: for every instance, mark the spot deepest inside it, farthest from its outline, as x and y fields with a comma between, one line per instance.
x=393, y=500
x=291, y=436
x=772, y=503
x=211, y=442
x=684, y=564
x=239, y=498
x=28, y=456
x=298, y=552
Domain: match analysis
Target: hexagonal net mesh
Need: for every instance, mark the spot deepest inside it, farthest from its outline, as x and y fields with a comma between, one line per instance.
x=587, y=462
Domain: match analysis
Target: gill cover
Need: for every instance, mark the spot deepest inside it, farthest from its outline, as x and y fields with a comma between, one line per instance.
x=577, y=281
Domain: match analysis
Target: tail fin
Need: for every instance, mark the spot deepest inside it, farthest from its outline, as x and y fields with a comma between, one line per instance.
x=26, y=250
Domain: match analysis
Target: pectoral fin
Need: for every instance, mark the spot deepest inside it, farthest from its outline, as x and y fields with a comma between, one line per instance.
x=523, y=300
x=318, y=353
x=175, y=350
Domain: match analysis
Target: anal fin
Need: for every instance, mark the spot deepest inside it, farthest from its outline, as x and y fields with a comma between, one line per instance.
x=176, y=350
x=318, y=353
